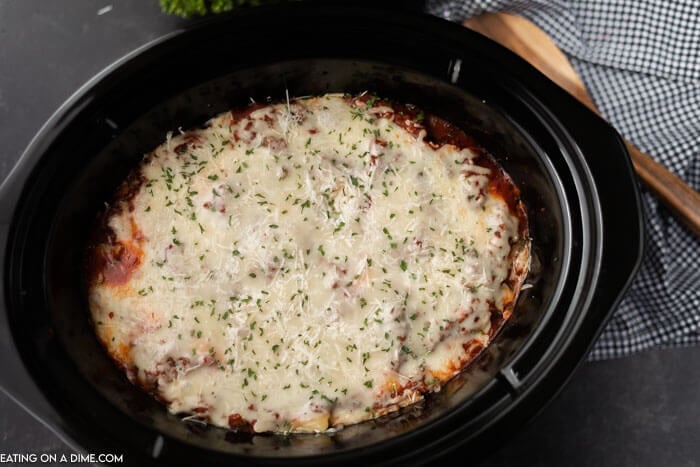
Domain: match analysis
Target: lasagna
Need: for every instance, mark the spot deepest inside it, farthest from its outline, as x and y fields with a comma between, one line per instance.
x=305, y=265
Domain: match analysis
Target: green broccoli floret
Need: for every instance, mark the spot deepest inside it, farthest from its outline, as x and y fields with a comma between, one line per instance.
x=184, y=8
x=219, y=6
x=187, y=8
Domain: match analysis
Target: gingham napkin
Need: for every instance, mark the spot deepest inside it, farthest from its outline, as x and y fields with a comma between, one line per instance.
x=640, y=61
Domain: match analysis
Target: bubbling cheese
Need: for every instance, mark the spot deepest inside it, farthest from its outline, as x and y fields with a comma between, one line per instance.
x=304, y=265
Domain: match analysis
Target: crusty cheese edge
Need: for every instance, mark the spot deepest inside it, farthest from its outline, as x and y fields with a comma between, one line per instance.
x=519, y=257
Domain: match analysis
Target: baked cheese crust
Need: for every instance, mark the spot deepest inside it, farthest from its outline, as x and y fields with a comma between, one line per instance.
x=306, y=265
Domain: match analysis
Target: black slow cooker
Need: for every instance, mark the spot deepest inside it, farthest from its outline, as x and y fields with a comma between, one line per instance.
x=571, y=166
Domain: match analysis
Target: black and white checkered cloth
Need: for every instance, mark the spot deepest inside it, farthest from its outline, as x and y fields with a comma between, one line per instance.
x=640, y=61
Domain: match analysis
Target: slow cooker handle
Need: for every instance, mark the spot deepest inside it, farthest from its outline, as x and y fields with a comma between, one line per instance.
x=15, y=380
x=8, y=353
x=12, y=371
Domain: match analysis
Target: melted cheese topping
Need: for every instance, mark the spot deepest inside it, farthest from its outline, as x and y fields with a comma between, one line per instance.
x=305, y=266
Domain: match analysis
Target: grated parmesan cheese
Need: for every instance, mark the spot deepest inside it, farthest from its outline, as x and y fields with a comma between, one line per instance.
x=309, y=265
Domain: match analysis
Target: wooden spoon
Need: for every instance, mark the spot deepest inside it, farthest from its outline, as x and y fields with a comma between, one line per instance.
x=531, y=43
